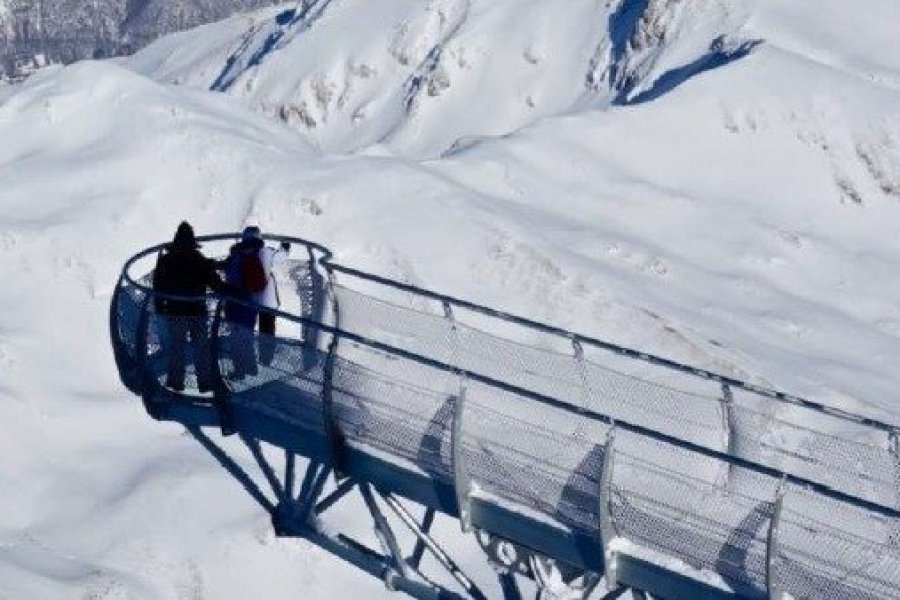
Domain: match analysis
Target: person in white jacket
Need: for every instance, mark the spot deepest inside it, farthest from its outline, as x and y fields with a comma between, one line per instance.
x=268, y=297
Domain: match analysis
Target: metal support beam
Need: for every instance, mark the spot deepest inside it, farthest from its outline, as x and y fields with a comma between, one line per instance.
x=509, y=586
x=232, y=467
x=308, y=477
x=289, y=473
x=375, y=566
x=441, y=556
x=385, y=534
x=308, y=504
x=344, y=488
x=427, y=521
x=264, y=466
x=615, y=593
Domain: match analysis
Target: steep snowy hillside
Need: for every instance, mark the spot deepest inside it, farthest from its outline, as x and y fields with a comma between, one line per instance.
x=422, y=77
x=714, y=181
x=96, y=503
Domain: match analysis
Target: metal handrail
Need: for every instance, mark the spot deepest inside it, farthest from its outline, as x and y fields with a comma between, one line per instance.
x=621, y=350
x=802, y=482
x=327, y=263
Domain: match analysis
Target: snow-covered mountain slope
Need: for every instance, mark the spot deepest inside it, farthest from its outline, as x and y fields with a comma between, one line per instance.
x=769, y=133
x=408, y=75
x=744, y=218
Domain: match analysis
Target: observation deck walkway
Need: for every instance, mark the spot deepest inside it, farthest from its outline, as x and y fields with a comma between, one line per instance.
x=579, y=464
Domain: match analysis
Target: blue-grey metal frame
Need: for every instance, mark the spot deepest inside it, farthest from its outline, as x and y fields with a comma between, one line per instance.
x=357, y=468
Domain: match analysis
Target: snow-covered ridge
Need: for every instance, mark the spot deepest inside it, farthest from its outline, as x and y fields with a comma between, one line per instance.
x=414, y=67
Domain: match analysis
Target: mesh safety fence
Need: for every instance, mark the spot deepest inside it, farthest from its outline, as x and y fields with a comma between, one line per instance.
x=129, y=304
x=857, y=462
x=668, y=506
x=397, y=407
x=541, y=458
x=279, y=374
x=707, y=513
x=857, y=468
x=830, y=549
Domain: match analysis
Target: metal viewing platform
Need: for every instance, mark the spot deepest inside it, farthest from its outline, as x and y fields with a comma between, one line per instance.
x=585, y=467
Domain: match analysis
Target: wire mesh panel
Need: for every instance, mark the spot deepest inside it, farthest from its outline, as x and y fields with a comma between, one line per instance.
x=405, y=420
x=857, y=468
x=688, y=416
x=830, y=549
x=537, y=457
x=129, y=303
x=659, y=500
x=561, y=376
x=535, y=369
x=414, y=331
x=277, y=374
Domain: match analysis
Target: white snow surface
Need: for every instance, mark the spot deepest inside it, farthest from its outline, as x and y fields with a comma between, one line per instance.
x=746, y=220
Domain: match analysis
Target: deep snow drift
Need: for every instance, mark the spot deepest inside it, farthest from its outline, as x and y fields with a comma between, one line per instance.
x=718, y=182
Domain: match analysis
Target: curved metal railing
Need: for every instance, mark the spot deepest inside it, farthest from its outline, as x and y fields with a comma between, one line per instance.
x=638, y=459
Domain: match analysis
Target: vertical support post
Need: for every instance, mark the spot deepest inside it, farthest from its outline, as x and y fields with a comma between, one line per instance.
x=462, y=485
x=289, y=475
x=115, y=337
x=772, y=544
x=582, y=374
x=332, y=430
x=607, y=522
x=317, y=295
x=728, y=429
x=149, y=386
x=221, y=392
x=894, y=446
x=455, y=358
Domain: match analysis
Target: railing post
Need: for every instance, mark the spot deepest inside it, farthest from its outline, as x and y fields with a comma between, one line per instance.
x=772, y=544
x=147, y=381
x=578, y=350
x=114, y=334
x=317, y=294
x=728, y=430
x=607, y=522
x=462, y=484
x=221, y=392
x=455, y=359
x=332, y=430
x=894, y=445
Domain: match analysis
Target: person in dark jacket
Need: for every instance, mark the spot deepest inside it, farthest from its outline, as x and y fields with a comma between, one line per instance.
x=183, y=272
